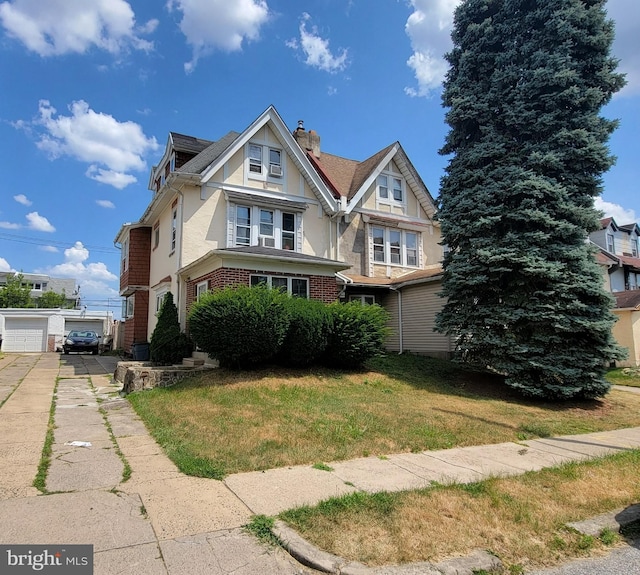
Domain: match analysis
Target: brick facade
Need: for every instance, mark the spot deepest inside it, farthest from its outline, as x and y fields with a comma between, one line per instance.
x=323, y=288
x=135, y=328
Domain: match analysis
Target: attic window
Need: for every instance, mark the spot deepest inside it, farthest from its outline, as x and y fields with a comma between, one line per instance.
x=634, y=248
x=611, y=246
x=390, y=189
x=255, y=159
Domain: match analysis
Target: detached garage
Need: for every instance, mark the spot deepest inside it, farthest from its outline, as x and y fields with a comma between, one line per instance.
x=25, y=334
x=42, y=330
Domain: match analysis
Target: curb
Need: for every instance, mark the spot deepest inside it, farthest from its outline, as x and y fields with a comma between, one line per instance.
x=311, y=556
x=614, y=520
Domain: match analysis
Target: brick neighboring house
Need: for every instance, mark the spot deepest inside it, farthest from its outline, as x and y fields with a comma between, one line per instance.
x=267, y=205
x=619, y=256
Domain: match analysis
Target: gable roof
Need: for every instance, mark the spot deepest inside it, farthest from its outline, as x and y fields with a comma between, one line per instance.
x=190, y=144
x=352, y=179
x=270, y=116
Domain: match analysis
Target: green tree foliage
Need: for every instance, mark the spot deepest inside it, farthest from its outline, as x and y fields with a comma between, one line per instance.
x=240, y=326
x=52, y=299
x=168, y=344
x=15, y=293
x=308, y=333
x=359, y=332
x=526, y=84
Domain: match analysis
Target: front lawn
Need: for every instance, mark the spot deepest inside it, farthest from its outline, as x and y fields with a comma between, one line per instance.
x=227, y=422
x=624, y=376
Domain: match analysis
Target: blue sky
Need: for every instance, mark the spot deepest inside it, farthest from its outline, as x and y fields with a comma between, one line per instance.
x=91, y=88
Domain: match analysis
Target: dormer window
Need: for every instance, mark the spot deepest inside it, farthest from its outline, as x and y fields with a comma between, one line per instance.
x=275, y=163
x=611, y=245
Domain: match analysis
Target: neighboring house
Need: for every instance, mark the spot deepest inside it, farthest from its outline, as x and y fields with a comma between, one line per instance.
x=619, y=257
x=267, y=205
x=37, y=330
x=619, y=252
x=42, y=283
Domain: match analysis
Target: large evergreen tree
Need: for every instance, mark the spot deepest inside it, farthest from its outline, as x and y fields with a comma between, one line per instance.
x=526, y=84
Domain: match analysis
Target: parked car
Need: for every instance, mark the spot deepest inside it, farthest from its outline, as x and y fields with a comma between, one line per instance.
x=82, y=341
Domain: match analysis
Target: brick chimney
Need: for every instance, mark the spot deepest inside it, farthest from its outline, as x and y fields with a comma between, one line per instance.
x=309, y=141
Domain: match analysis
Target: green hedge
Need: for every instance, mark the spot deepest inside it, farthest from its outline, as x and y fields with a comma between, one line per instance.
x=240, y=326
x=359, y=332
x=308, y=333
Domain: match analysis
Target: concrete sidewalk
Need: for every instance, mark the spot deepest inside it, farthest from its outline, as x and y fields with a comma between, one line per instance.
x=160, y=521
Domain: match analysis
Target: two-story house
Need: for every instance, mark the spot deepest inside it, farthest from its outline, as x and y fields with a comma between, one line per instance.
x=268, y=205
x=619, y=256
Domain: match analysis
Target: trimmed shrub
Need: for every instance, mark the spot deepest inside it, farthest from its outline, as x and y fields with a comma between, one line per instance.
x=308, y=333
x=240, y=326
x=359, y=332
x=168, y=344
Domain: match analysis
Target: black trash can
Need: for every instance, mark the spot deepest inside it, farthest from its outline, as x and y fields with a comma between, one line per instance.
x=140, y=351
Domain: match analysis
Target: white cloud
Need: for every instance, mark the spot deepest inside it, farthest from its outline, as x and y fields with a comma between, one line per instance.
x=55, y=27
x=93, y=277
x=617, y=212
x=105, y=204
x=9, y=226
x=316, y=49
x=118, y=180
x=4, y=266
x=219, y=24
x=429, y=28
x=626, y=14
x=96, y=138
x=39, y=223
x=50, y=249
x=22, y=199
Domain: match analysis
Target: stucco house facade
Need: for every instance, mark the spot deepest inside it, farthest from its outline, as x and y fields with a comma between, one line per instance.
x=268, y=205
x=619, y=257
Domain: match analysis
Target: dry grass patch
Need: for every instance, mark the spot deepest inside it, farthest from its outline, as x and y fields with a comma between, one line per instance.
x=242, y=421
x=521, y=519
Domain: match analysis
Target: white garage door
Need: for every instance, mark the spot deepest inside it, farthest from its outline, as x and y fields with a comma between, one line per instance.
x=83, y=325
x=25, y=334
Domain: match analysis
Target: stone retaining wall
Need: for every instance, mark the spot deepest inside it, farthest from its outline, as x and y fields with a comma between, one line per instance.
x=137, y=375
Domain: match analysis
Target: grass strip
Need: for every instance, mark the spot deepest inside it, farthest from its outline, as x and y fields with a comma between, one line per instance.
x=40, y=481
x=624, y=376
x=520, y=519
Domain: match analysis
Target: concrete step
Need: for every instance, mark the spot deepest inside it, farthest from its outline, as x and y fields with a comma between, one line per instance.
x=192, y=362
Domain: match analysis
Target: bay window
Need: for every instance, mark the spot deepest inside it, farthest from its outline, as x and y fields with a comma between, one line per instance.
x=297, y=287
x=271, y=228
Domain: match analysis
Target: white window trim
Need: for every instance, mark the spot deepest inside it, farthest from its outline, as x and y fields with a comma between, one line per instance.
x=390, y=200
x=160, y=298
x=611, y=248
x=288, y=278
x=266, y=173
x=201, y=289
x=254, y=224
x=364, y=299
x=130, y=306
x=125, y=255
x=174, y=230
x=387, y=247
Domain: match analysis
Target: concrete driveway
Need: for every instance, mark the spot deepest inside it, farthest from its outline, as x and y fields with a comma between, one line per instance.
x=156, y=522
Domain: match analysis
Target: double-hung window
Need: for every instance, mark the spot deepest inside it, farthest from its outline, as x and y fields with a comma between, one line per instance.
x=264, y=162
x=160, y=300
x=201, y=289
x=396, y=247
x=243, y=226
x=297, y=287
x=390, y=189
x=271, y=228
x=174, y=228
x=634, y=247
x=611, y=245
x=125, y=255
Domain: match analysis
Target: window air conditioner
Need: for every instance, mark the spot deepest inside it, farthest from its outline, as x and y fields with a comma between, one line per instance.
x=275, y=170
x=266, y=242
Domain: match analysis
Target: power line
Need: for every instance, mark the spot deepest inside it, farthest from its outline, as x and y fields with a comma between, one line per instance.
x=56, y=243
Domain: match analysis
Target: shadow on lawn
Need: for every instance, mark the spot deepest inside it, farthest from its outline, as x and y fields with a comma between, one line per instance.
x=450, y=378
